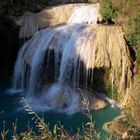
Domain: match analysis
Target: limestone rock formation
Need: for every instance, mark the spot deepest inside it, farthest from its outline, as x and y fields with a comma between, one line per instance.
x=112, y=52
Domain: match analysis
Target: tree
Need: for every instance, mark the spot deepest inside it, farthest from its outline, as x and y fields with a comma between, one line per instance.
x=107, y=10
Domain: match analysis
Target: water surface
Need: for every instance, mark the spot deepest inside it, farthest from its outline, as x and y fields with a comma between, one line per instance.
x=11, y=109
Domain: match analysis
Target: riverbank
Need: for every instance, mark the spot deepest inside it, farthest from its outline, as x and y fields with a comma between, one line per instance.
x=110, y=127
x=120, y=127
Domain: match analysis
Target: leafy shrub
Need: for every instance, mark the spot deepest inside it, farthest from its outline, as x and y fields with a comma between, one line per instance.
x=101, y=83
x=107, y=10
x=135, y=21
x=134, y=37
x=129, y=119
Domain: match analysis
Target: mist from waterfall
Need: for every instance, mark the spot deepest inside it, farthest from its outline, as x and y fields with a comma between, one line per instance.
x=56, y=61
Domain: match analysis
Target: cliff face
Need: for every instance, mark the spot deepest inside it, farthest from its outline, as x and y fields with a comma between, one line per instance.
x=112, y=52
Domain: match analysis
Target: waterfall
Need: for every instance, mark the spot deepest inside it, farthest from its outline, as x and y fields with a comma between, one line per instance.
x=57, y=60
x=86, y=14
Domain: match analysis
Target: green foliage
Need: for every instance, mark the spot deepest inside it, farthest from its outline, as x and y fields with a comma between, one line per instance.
x=40, y=123
x=134, y=37
x=129, y=120
x=29, y=135
x=111, y=90
x=89, y=131
x=4, y=132
x=101, y=83
x=135, y=21
x=100, y=76
x=107, y=10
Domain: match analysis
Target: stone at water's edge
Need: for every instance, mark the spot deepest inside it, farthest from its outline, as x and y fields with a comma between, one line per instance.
x=97, y=104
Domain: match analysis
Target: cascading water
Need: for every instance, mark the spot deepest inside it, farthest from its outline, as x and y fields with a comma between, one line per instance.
x=56, y=61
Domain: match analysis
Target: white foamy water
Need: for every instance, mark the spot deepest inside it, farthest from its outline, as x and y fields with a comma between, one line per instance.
x=84, y=14
x=57, y=98
x=60, y=55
